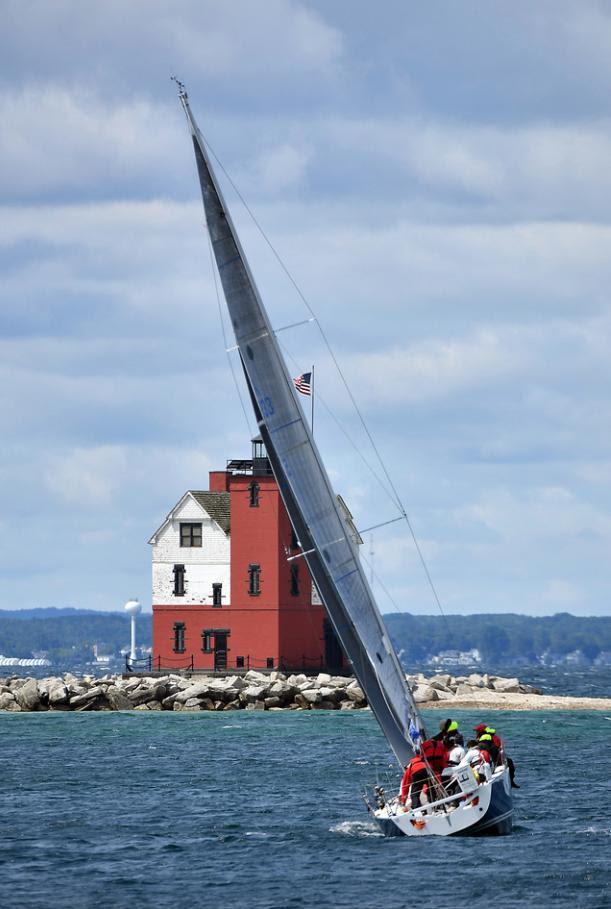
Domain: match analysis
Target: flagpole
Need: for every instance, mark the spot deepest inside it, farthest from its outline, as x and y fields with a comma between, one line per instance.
x=312, y=389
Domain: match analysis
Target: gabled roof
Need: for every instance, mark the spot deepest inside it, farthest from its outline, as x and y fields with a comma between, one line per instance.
x=215, y=504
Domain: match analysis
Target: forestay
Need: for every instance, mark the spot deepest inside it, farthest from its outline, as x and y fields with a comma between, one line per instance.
x=331, y=555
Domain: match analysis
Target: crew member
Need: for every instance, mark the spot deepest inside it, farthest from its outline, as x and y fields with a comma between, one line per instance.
x=415, y=783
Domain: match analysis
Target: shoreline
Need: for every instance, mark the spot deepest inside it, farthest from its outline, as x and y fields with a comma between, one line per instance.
x=273, y=691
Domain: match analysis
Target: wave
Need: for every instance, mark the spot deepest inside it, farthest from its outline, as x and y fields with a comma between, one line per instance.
x=356, y=829
x=597, y=831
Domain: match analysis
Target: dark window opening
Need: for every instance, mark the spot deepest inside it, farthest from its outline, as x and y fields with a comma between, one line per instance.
x=239, y=662
x=254, y=580
x=294, y=580
x=179, y=637
x=294, y=540
x=191, y=535
x=217, y=594
x=254, y=495
x=270, y=662
x=179, y=580
x=207, y=635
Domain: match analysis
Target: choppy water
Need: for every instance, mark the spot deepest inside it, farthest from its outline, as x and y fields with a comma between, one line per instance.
x=263, y=810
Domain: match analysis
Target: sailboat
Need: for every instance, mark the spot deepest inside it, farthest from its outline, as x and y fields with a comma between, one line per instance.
x=328, y=546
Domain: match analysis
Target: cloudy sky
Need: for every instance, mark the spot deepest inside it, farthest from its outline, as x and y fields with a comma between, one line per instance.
x=437, y=179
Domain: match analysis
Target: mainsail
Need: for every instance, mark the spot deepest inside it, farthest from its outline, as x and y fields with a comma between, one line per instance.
x=328, y=548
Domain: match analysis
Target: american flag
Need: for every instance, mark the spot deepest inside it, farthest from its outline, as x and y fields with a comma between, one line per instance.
x=303, y=383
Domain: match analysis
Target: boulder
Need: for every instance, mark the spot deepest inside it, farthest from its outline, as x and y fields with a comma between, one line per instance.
x=323, y=678
x=253, y=676
x=424, y=693
x=57, y=693
x=27, y=695
x=464, y=691
x=7, y=700
x=476, y=680
x=200, y=689
x=232, y=705
x=355, y=692
x=347, y=705
x=253, y=693
x=330, y=694
x=311, y=696
x=441, y=678
x=117, y=699
x=327, y=705
x=192, y=702
x=297, y=680
x=508, y=685
x=271, y=702
x=80, y=700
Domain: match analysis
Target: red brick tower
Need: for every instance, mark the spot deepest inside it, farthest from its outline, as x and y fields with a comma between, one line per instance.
x=236, y=535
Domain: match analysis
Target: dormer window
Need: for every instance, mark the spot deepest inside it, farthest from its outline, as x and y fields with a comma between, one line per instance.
x=254, y=490
x=191, y=535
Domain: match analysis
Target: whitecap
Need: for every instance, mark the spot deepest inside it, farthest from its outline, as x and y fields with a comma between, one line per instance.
x=360, y=763
x=231, y=726
x=601, y=831
x=356, y=828
x=258, y=834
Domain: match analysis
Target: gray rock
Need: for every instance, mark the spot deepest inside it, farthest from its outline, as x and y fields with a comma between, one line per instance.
x=355, y=693
x=57, y=693
x=200, y=689
x=253, y=693
x=7, y=700
x=424, y=694
x=193, y=702
x=117, y=699
x=323, y=678
x=271, y=702
x=312, y=696
x=80, y=700
x=508, y=685
x=464, y=691
x=27, y=695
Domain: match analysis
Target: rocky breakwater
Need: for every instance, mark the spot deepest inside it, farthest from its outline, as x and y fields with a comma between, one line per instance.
x=270, y=691
x=252, y=691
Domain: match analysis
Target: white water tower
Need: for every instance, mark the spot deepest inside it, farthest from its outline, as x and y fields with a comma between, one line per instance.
x=132, y=608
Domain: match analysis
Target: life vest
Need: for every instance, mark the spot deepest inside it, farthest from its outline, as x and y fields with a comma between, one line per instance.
x=436, y=754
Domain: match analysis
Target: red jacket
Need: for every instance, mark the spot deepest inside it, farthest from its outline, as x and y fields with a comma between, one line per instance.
x=436, y=754
x=416, y=764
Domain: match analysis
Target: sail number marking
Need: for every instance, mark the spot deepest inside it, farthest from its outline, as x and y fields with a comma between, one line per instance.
x=265, y=403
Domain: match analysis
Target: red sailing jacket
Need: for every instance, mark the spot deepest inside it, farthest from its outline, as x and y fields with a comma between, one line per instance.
x=415, y=765
x=436, y=754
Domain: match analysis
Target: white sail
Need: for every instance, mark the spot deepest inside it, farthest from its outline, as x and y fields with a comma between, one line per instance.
x=331, y=555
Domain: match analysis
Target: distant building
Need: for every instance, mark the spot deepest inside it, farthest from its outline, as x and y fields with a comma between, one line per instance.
x=456, y=658
x=228, y=592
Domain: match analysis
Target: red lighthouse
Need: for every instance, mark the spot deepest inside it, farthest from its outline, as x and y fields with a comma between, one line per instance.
x=230, y=589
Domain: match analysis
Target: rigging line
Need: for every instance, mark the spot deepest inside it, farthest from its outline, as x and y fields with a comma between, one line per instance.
x=220, y=310
x=300, y=293
x=343, y=430
x=383, y=524
x=397, y=498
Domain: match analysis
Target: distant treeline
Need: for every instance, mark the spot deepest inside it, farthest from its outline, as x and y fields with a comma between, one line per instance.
x=68, y=634
x=499, y=638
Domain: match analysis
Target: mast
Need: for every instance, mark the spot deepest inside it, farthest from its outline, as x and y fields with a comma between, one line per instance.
x=331, y=555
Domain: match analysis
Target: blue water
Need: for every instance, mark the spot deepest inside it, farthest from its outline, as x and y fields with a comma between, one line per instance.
x=263, y=810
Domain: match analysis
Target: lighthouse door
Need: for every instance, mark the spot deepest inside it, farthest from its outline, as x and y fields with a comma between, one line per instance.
x=220, y=650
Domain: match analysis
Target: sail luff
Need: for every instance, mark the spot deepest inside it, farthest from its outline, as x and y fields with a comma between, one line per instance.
x=302, y=479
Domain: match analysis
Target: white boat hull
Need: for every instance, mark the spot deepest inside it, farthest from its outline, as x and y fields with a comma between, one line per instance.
x=487, y=811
